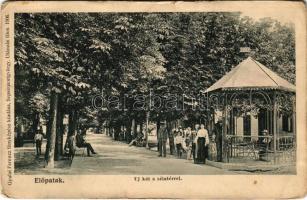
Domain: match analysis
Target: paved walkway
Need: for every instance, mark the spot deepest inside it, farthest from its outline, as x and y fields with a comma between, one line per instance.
x=116, y=157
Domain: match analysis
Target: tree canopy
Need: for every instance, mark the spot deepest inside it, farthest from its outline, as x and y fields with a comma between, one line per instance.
x=78, y=55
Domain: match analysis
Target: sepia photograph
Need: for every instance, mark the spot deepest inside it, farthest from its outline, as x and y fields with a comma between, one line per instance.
x=154, y=93
x=153, y=99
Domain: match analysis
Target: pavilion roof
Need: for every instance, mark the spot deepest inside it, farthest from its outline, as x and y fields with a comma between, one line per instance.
x=250, y=74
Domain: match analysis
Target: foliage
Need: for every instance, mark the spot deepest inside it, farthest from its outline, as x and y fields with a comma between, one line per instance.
x=81, y=54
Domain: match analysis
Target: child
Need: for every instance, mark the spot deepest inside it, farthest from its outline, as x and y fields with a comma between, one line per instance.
x=212, y=149
x=178, y=142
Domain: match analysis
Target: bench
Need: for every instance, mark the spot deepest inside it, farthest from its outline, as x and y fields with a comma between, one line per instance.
x=74, y=149
x=80, y=151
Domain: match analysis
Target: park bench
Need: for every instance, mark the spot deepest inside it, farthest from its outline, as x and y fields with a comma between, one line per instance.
x=80, y=151
x=74, y=149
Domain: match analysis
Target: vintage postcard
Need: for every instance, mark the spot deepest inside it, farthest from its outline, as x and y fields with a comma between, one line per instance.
x=153, y=99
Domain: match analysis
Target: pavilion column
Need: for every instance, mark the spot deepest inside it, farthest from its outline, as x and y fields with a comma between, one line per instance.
x=224, y=141
x=274, y=125
x=272, y=120
x=294, y=120
x=267, y=118
x=209, y=124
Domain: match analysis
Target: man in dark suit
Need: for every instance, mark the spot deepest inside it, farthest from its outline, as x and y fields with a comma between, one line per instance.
x=162, y=138
x=171, y=139
x=81, y=142
x=218, y=131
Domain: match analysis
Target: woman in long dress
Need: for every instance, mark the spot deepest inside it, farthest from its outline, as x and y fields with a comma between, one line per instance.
x=202, y=142
x=188, y=143
x=194, y=142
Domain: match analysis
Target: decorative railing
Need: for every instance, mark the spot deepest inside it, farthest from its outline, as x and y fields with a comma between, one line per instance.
x=260, y=148
x=285, y=142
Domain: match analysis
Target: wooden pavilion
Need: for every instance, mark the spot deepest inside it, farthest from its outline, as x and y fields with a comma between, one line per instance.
x=251, y=100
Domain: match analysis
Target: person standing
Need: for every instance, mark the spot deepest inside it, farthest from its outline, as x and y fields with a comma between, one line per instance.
x=264, y=145
x=124, y=134
x=193, y=140
x=171, y=140
x=182, y=134
x=181, y=131
x=202, y=142
x=38, y=138
x=218, y=131
x=70, y=146
x=188, y=143
x=178, y=142
x=212, y=149
x=162, y=138
x=129, y=136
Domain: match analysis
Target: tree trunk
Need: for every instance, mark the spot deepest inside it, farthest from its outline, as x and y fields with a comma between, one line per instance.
x=110, y=126
x=141, y=126
x=48, y=133
x=129, y=130
x=134, y=128
x=158, y=128
x=35, y=124
x=147, y=130
x=59, y=133
x=18, y=142
x=170, y=136
x=72, y=122
x=117, y=129
x=53, y=125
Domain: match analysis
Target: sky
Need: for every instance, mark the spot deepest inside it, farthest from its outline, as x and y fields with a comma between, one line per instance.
x=280, y=16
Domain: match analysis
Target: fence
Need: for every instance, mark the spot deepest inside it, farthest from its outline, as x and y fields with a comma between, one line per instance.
x=261, y=148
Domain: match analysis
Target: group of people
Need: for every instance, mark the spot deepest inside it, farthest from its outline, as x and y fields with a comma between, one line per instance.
x=193, y=142
x=72, y=141
x=125, y=136
x=196, y=142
